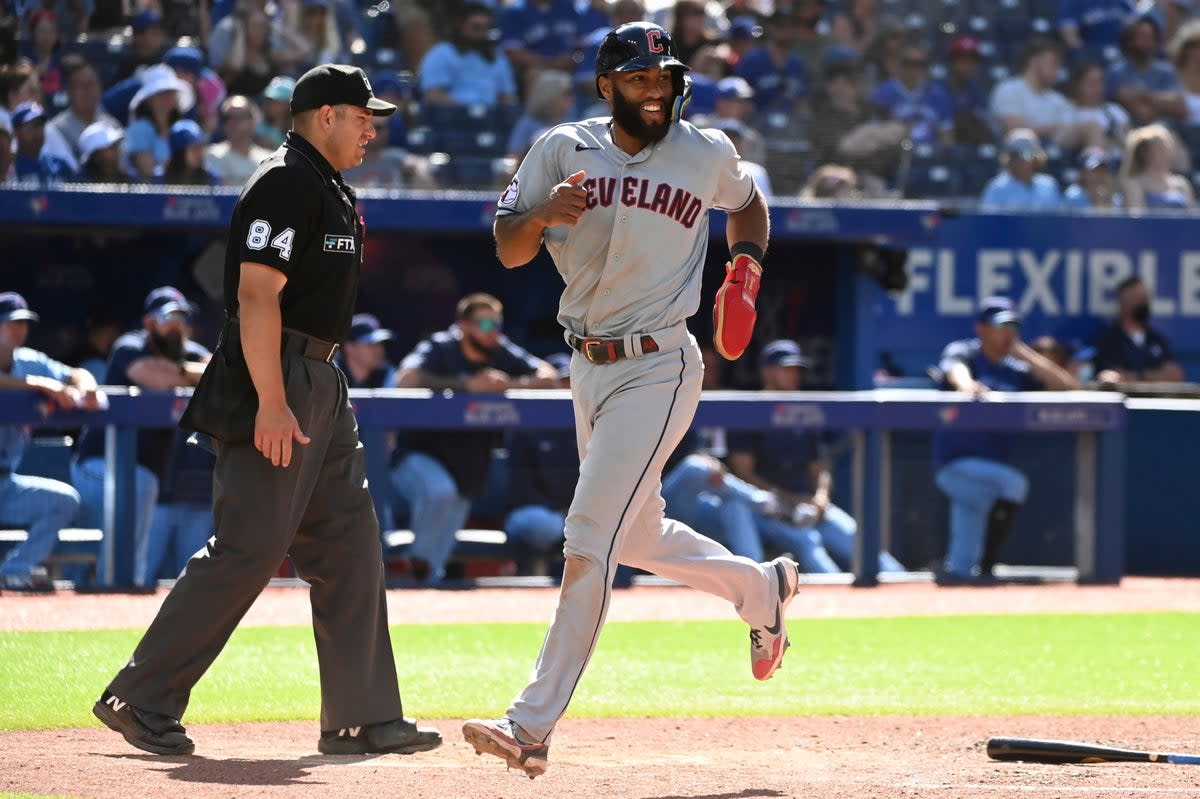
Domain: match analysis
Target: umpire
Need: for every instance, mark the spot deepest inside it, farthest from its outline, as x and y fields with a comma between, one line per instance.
x=289, y=479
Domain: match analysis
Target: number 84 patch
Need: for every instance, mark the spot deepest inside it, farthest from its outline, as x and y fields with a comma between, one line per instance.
x=259, y=237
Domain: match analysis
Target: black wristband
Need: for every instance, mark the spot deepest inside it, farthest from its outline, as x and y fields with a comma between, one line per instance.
x=747, y=248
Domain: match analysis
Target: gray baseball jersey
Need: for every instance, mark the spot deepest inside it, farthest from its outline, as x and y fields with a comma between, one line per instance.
x=634, y=261
x=632, y=265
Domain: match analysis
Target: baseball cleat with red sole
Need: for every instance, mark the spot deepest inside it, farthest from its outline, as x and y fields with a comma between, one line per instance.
x=499, y=737
x=769, y=643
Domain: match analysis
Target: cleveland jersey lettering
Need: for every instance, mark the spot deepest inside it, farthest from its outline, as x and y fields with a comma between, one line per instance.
x=677, y=204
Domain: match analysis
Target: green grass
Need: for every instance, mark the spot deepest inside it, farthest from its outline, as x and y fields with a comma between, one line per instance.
x=1137, y=663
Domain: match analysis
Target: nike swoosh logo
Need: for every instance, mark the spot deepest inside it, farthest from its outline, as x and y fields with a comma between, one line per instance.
x=579, y=147
x=774, y=629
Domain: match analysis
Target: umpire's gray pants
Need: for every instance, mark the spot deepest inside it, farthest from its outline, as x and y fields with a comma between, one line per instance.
x=319, y=513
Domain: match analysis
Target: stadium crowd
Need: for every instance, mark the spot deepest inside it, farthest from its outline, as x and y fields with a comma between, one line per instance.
x=860, y=98
x=1021, y=104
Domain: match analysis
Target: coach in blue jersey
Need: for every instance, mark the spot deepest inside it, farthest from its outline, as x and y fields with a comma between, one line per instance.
x=985, y=490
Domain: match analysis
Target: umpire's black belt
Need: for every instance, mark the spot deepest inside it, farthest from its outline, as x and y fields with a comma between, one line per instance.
x=306, y=346
x=607, y=350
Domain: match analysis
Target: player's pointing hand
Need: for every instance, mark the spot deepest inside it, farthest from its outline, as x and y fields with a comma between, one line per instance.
x=566, y=202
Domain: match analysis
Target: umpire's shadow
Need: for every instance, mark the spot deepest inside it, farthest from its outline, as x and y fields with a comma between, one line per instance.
x=240, y=771
x=746, y=793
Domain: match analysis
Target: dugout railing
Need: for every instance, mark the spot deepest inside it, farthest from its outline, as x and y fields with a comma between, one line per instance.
x=869, y=417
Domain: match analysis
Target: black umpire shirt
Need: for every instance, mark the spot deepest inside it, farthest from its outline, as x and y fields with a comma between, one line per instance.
x=297, y=215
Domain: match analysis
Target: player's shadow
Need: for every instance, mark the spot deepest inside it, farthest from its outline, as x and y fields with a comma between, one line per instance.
x=748, y=793
x=239, y=771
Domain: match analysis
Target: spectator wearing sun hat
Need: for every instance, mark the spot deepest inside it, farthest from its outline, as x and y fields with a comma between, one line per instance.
x=32, y=162
x=276, y=112
x=159, y=103
x=186, y=166
x=100, y=154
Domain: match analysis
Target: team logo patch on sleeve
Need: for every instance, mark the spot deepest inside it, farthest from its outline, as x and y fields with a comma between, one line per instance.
x=509, y=198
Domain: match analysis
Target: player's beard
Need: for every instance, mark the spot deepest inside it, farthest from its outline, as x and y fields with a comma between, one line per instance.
x=170, y=345
x=629, y=116
x=482, y=344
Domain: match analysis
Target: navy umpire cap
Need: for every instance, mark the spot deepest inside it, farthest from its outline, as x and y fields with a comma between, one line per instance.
x=998, y=311
x=783, y=352
x=164, y=301
x=366, y=329
x=13, y=308
x=337, y=84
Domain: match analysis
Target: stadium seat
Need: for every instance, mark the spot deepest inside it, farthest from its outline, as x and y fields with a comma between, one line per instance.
x=929, y=174
x=422, y=140
x=977, y=166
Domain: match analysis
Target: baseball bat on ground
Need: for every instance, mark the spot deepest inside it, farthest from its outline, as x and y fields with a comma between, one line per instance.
x=1032, y=750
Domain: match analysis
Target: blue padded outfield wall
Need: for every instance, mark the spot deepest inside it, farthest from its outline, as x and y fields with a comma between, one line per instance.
x=70, y=251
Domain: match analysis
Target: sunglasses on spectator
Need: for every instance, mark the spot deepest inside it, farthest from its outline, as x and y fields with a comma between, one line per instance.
x=915, y=62
x=488, y=324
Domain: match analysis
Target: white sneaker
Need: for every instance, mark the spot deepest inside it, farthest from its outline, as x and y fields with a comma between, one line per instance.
x=769, y=643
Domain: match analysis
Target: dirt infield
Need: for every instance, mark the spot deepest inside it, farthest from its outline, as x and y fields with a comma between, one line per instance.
x=815, y=758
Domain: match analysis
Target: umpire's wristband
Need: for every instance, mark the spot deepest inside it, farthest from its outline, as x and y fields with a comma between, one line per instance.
x=747, y=248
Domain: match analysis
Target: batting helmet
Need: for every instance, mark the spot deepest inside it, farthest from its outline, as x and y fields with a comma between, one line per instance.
x=642, y=45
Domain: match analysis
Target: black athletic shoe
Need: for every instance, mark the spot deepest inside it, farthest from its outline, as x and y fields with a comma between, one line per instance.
x=145, y=729
x=400, y=737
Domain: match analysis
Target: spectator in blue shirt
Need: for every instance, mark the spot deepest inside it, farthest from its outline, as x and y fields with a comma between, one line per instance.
x=541, y=34
x=1143, y=83
x=777, y=76
x=972, y=468
x=40, y=505
x=441, y=471
x=1089, y=28
x=31, y=161
x=1022, y=186
x=968, y=92
x=1130, y=350
x=467, y=70
x=1095, y=186
x=911, y=98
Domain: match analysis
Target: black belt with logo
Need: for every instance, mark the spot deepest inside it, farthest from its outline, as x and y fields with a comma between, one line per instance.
x=606, y=350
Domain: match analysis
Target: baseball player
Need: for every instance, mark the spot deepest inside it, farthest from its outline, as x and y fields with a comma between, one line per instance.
x=290, y=473
x=622, y=205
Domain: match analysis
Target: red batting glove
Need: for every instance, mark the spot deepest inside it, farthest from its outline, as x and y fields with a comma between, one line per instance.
x=733, y=307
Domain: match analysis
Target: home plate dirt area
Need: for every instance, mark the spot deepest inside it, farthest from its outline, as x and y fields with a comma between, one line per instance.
x=743, y=758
